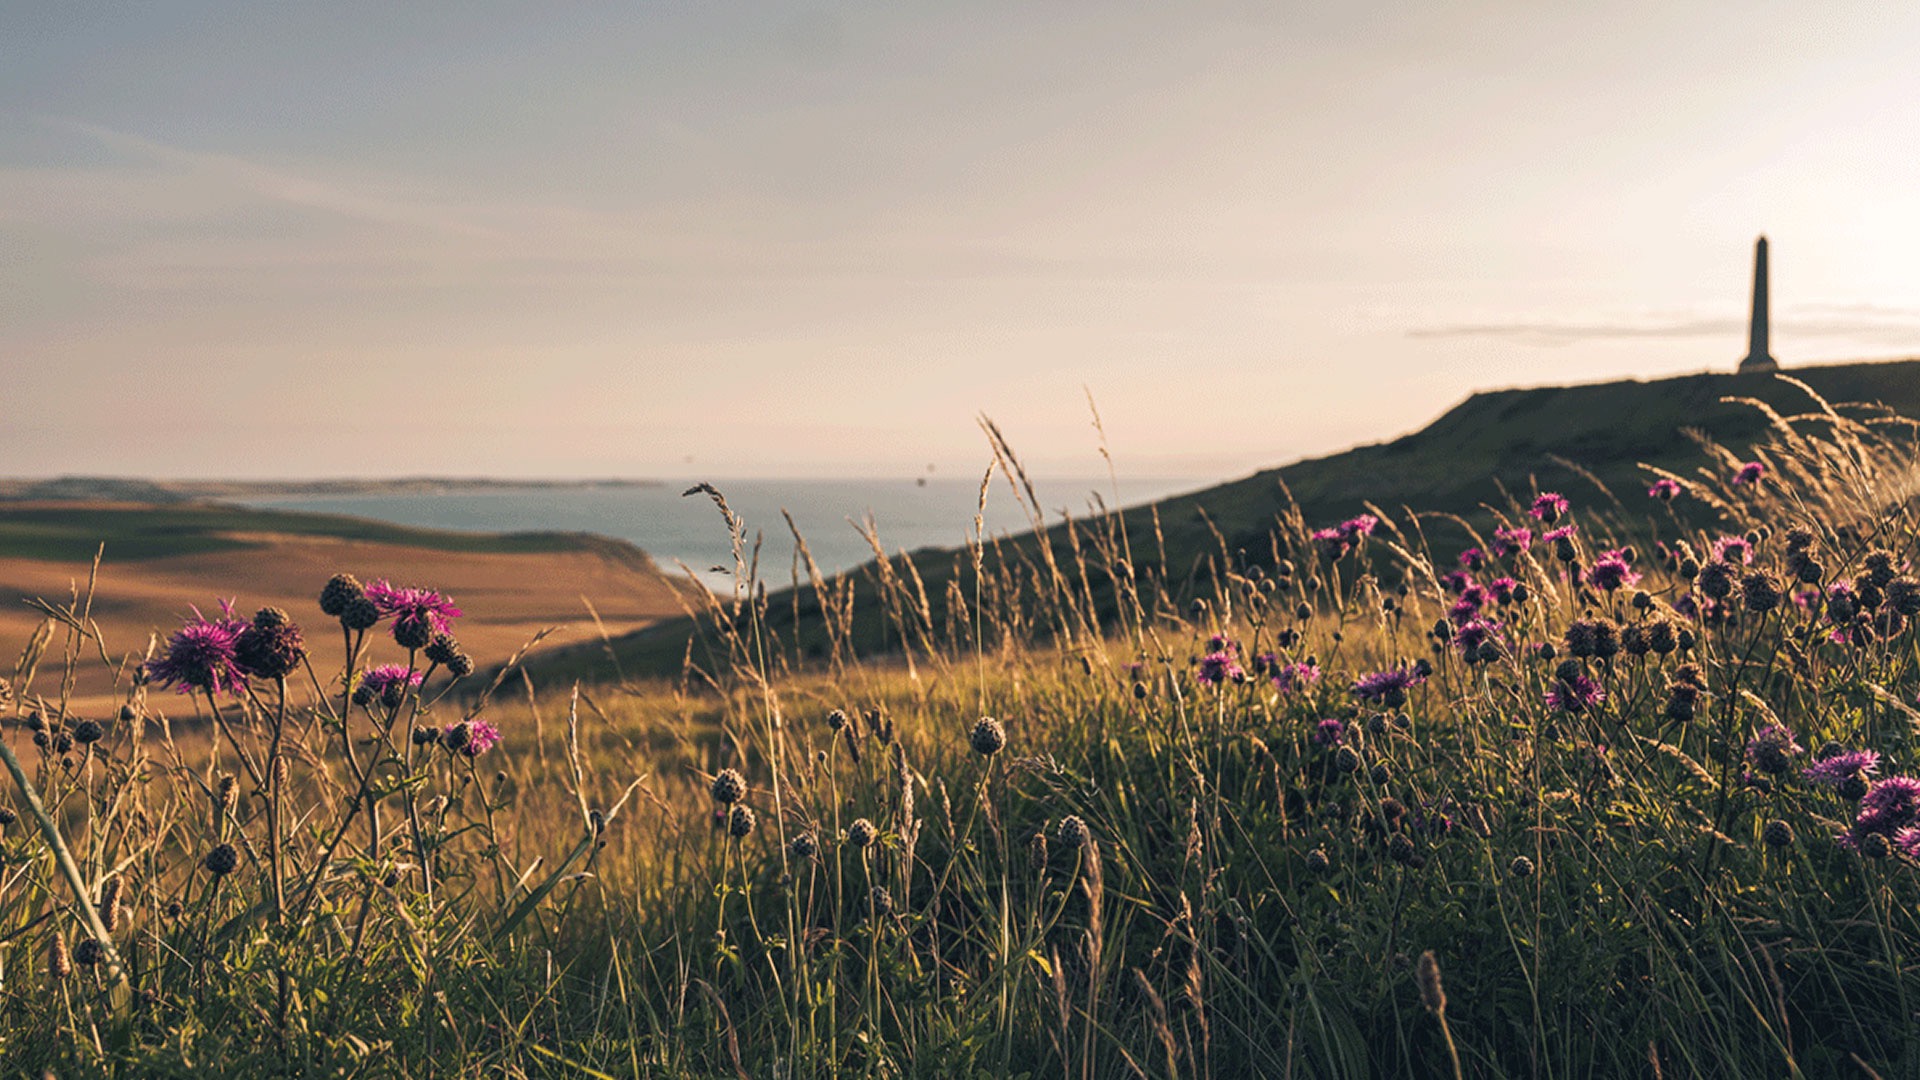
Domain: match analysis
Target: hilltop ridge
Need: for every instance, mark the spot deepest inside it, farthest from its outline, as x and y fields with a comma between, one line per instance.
x=1493, y=442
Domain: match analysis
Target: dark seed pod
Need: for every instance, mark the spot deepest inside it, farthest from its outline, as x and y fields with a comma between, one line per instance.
x=1778, y=834
x=222, y=860
x=1400, y=849
x=412, y=633
x=340, y=591
x=360, y=614
x=1875, y=846
x=1521, y=867
x=740, y=822
x=426, y=735
x=728, y=787
x=127, y=715
x=837, y=719
x=1317, y=861
x=461, y=665
x=1346, y=759
x=988, y=737
x=270, y=648
x=803, y=846
x=880, y=902
x=1853, y=788
x=1380, y=774
x=1760, y=591
x=87, y=952
x=7, y=816
x=88, y=732
x=1037, y=850
x=1072, y=833
x=861, y=833
x=442, y=649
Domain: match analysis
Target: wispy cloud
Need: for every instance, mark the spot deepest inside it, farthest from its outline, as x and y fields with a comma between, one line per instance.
x=251, y=178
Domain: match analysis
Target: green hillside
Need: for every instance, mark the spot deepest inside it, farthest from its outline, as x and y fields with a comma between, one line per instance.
x=1512, y=440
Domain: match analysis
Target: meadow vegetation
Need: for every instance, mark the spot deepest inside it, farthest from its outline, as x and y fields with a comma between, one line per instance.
x=1610, y=787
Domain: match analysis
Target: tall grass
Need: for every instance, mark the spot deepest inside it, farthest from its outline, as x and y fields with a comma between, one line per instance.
x=1561, y=837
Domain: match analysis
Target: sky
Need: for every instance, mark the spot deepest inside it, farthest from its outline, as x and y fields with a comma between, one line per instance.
x=776, y=240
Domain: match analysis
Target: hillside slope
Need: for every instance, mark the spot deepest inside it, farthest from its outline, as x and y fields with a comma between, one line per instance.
x=1460, y=463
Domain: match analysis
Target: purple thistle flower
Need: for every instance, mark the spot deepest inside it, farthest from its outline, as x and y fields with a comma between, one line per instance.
x=1666, y=489
x=1772, y=751
x=1328, y=732
x=1501, y=589
x=416, y=613
x=1456, y=581
x=1356, y=527
x=481, y=737
x=1564, y=532
x=1473, y=558
x=1891, y=806
x=1907, y=840
x=1222, y=643
x=1477, y=637
x=1332, y=545
x=1219, y=667
x=1733, y=549
x=1549, y=507
x=1577, y=694
x=200, y=655
x=1611, y=571
x=1750, y=473
x=1512, y=541
x=1388, y=687
x=1842, y=767
x=1290, y=677
x=377, y=679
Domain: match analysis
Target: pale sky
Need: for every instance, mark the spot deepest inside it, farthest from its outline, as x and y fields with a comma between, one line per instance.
x=253, y=240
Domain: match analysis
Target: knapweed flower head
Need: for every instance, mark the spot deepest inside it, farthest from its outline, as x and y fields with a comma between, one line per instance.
x=417, y=613
x=1549, y=507
x=1611, y=571
x=1473, y=558
x=1666, y=489
x=1502, y=589
x=385, y=683
x=481, y=737
x=1478, y=641
x=1564, y=532
x=1750, y=473
x=1574, y=692
x=1733, y=549
x=1217, y=668
x=271, y=647
x=1336, y=541
x=1328, y=732
x=202, y=655
x=1891, y=806
x=1389, y=687
x=1456, y=581
x=1511, y=540
x=1837, y=769
x=1288, y=678
x=1772, y=750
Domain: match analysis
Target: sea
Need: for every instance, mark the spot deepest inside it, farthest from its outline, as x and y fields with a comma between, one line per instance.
x=687, y=531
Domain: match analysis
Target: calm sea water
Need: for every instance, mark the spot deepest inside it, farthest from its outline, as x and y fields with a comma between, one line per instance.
x=689, y=530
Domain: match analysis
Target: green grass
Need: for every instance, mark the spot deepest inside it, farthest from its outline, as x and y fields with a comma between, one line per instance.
x=1219, y=888
x=73, y=533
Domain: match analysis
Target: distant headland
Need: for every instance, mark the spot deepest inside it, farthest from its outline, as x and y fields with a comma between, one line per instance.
x=130, y=489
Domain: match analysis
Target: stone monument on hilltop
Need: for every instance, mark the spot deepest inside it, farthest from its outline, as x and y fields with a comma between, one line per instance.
x=1758, y=358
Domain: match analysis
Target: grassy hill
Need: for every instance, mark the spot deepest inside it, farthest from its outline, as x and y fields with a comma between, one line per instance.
x=1552, y=438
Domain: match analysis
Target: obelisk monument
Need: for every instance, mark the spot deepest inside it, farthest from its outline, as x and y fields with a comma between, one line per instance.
x=1758, y=358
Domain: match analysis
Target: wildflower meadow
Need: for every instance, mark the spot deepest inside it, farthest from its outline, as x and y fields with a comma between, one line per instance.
x=1593, y=783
